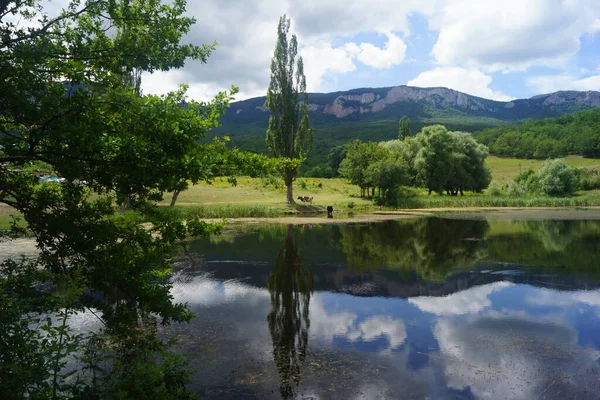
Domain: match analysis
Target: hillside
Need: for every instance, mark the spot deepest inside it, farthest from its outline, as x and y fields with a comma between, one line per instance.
x=373, y=114
x=578, y=133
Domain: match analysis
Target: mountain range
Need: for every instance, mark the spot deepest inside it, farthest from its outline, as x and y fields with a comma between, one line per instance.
x=373, y=113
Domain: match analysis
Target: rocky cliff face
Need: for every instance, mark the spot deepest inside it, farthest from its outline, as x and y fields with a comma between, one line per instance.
x=345, y=105
x=416, y=103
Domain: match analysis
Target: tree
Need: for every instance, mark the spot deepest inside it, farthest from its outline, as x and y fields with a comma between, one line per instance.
x=468, y=171
x=289, y=134
x=387, y=176
x=358, y=158
x=433, y=162
x=335, y=157
x=64, y=101
x=404, y=128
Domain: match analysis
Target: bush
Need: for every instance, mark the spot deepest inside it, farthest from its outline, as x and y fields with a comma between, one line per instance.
x=555, y=179
x=516, y=189
x=588, y=179
x=302, y=183
x=494, y=190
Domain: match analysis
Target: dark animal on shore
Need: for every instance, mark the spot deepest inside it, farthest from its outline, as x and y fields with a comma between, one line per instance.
x=329, y=211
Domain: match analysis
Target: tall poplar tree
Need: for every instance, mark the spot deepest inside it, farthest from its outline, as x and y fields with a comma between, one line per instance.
x=289, y=135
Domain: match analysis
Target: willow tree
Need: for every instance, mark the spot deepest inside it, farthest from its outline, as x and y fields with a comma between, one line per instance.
x=289, y=135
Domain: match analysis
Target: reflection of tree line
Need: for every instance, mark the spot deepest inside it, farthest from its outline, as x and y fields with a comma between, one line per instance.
x=431, y=247
x=571, y=246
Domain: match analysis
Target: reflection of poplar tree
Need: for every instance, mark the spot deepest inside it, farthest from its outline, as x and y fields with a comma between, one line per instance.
x=290, y=285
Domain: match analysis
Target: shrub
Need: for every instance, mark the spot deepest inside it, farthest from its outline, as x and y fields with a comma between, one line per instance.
x=588, y=179
x=516, y=189
x=302, y=183
x=556, y=179
x=494, y=190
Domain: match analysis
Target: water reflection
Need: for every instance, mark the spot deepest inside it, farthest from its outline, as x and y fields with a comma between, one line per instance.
x=290, y=285
x=410, y=309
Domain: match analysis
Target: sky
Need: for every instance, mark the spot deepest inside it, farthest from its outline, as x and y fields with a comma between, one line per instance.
x=497, y=49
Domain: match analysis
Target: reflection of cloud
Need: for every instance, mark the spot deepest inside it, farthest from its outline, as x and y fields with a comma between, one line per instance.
x=328, y=325
x=548, y=297
x=378, y=326
x=203, y=291
x=507, y=356
x=468, y=301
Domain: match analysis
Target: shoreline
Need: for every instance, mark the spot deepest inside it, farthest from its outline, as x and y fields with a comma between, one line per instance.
x=495, y=213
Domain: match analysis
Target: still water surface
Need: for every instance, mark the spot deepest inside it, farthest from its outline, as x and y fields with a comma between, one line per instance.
x=428, y=308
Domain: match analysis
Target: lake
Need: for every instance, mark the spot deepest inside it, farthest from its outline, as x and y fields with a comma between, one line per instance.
x=438, y=308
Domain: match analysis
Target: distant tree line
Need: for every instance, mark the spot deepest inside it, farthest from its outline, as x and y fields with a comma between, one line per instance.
x=578, y=133
x=439, y=160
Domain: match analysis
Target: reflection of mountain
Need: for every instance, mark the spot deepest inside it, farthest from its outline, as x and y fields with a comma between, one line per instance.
x=290, y=285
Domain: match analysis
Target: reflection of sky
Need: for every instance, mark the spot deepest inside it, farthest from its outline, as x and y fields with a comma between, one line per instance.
x=499, y=340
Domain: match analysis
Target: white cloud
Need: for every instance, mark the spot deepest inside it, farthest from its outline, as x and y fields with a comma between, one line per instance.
x=471, y=81
x=553, y=83
x=373, y=56
x=322, y=59
x=324, y=18
x=468, y=301
x=476, y=35
x=511, y=34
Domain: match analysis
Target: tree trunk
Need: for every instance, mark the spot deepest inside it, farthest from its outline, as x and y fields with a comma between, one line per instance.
x=290, y=191
x=461, y=191
x=174, y=198
x=430, y=190
x=127, y=204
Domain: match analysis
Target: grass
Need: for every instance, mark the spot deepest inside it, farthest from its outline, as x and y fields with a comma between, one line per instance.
x=436, y=201
x=505, y=170
x=265, y=198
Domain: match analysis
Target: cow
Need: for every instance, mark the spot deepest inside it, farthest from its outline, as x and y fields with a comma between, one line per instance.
x=305, y=199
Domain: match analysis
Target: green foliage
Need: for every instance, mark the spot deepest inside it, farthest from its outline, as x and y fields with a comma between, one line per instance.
x=78, y=113
x=494, y=191
x=404, y=128
x=555, y=179
x=433, y=162
x=335, y=158
x=547, y=138
x=469, y=171
x=588, y=179
x=387, y=175
x=289, y=134
x=435, y=158
x=358, y=158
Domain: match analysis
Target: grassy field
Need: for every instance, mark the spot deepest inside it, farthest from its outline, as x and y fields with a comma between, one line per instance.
x=504, y=170
x=271, y=193
x=262, y=197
